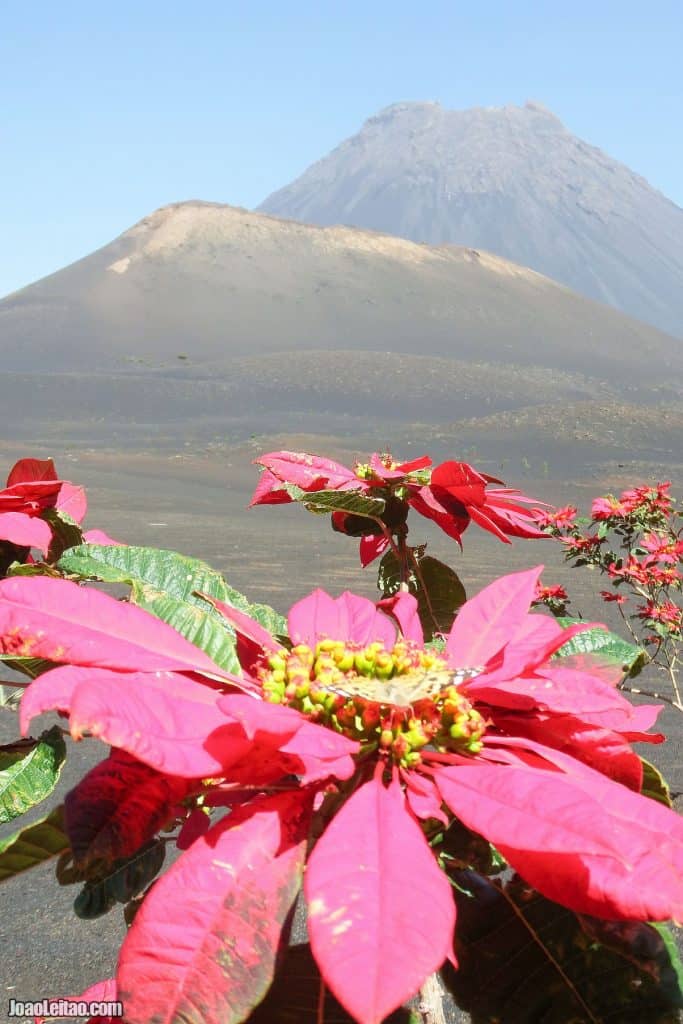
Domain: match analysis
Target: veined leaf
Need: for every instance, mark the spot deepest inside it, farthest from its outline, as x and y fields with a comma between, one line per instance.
x=655, y=785
x=439, y=599
x=66, y=533
x=29, y=771
x=123, y=881
x=32, y=845
x=199, y=625
x=354, y=502
x=33, y=569
x=522, y=959
x=610, y=647
x=671, y=947
x=31, y=667
x=10, y=696
x=166, y=584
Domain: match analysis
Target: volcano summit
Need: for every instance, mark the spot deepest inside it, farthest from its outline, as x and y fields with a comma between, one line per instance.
x=512, y=180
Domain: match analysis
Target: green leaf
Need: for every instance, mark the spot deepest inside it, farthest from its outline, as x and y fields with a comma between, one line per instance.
x=30, y=667
x=29, y=771
x=199, y=625
x=118, y=883
x=66, y=533
x=523, y=959
x=459, y=848
x=10, y=696
x=439, y=599
x=9, y=554
x=167, y=584
x=33, y=569
x=293, y=996
x=655, y=785
x=353, y=502
x=32, y=845
x=671, y=947
x=611, y=648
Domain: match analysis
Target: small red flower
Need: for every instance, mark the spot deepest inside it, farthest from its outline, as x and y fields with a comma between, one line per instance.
x=582, y=545
x=613, y=596
x=666, y=612
x=608, y=507
x=645, y=571
x=663, y=549
x=644, y=498
x=555, y=593
x=557, y=518
x=554, y=597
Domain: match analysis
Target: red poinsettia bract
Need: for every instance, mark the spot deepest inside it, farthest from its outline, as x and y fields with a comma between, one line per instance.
x=32, y=488
x=452, y=494
x=357, y=734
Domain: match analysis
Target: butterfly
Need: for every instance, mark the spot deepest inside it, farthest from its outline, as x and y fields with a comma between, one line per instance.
x=404, y=690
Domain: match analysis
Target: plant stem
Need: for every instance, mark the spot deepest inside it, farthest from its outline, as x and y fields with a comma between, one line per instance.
x=420, y=580
x=431, y=1001
x=403, y=557
x=320, y=1015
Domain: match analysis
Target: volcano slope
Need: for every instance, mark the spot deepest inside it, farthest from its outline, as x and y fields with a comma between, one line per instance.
x=205, y=323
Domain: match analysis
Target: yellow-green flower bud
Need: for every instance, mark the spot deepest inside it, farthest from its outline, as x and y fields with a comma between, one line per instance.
x=384, y=665
x=304, y=654
x=386, y=738
x=363, y=664
x=344, y=660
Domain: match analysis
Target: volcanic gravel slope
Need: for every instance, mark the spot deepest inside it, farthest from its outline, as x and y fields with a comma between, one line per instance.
x=204, y=320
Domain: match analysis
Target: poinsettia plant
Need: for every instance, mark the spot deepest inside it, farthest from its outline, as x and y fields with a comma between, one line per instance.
x=411, y=788
x=372, y=501
x=635, y=541
x=41, y=512
x=452, y=494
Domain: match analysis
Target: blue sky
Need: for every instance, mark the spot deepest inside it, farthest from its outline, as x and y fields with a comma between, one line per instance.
x=111, y=110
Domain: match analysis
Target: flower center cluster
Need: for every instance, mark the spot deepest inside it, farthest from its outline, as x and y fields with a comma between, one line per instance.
x=364, y=470
x=396, y=700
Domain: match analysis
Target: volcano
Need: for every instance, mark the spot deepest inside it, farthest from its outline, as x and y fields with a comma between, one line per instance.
x=510, y=180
